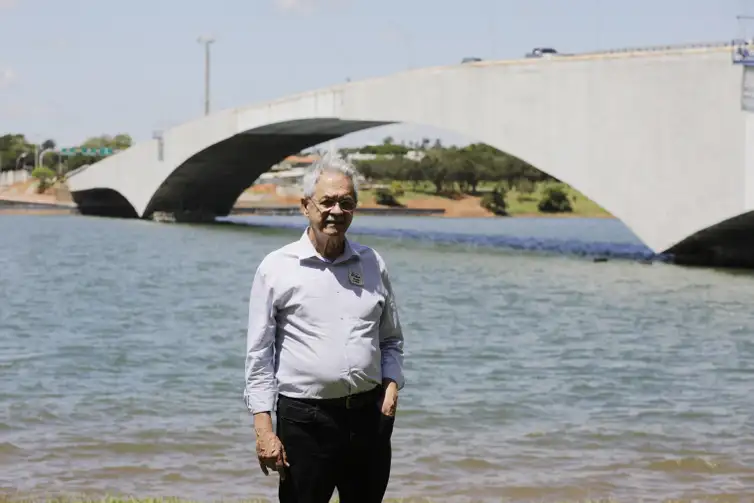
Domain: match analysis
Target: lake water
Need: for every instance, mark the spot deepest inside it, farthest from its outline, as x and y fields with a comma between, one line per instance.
x=530, y=376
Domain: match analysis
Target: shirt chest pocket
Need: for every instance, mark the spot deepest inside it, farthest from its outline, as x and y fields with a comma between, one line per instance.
x=358, y=306
x=367, y=307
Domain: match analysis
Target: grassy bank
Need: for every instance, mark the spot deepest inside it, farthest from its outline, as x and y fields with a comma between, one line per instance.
x=423, y=195
x=526, y=204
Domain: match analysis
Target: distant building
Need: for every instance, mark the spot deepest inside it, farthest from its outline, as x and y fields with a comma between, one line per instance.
x=295, y=161
x=288, y=174
x=415, y=155
x=289, y=177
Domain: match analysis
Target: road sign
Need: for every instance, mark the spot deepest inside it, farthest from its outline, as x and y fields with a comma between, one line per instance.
x=87, y=151
x=742, y=53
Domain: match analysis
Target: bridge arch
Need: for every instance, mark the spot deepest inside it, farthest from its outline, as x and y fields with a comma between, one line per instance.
x=211, y=180
x=103, y=202
x=638, y=133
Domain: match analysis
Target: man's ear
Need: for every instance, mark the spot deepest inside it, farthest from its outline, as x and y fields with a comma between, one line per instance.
x=304, y=209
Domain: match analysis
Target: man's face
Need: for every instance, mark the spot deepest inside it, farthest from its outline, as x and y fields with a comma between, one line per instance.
x=330, y=209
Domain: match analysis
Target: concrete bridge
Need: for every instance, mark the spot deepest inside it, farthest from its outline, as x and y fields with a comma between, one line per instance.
x=658, y=138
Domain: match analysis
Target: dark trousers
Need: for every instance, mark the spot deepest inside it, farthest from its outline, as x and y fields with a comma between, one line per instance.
x=335, y=443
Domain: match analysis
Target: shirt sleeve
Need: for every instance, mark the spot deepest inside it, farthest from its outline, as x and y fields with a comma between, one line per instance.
x=391, y=336
x=260, y=387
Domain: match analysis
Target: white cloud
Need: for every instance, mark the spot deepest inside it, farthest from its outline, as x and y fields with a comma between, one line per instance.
x=8, y=4
x=301, y=6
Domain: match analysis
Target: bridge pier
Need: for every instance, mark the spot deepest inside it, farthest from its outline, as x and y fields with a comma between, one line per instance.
x=103, y=203
x=729, y=244
x=714, y=255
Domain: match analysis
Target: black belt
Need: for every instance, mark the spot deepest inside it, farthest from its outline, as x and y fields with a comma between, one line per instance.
x=354, y=401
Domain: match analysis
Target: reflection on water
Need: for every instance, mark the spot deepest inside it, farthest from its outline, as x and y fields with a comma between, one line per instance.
x=536, y=378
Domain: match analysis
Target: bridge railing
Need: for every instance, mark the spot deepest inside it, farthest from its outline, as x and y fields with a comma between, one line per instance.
x=77, y=170
x=663, y=48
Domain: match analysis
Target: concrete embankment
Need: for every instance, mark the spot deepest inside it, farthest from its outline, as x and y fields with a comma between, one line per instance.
x=23, y=197
x=10, y=206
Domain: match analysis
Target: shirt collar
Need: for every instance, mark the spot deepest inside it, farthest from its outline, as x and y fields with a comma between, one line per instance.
x=305, y=250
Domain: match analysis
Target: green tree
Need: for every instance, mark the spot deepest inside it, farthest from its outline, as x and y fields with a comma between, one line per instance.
x=475, y=164
x=437, y=171
x=12, y=150
x=415, y=173
x=45, y=178
x=117, y=142
x=366, y=169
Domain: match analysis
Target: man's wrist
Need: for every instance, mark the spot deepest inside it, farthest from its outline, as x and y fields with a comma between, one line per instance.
x=263, y=423
x=389, y=385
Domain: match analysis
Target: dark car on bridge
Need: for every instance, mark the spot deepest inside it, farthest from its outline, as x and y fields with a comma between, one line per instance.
x=542, y=52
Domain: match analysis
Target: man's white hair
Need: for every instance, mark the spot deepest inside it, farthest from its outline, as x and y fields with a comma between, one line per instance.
x=332, y=162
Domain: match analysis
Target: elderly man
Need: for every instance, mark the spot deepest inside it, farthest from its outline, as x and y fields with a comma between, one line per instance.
x=324, y=337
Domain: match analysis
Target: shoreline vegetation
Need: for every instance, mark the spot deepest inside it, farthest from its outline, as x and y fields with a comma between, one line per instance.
x=456, y=182
x=452, y=205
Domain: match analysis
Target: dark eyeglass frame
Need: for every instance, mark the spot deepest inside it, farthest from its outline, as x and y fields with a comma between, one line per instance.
x=330, y=204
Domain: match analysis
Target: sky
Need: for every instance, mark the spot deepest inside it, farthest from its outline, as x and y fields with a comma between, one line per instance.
x=72, y=69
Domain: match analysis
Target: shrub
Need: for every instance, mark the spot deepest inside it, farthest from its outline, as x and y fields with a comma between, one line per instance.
x=554, y=200
x=45, y=178
x=385, y=197
x=494, y=202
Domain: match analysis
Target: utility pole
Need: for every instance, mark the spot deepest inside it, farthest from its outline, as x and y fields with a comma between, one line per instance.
x=206, y=41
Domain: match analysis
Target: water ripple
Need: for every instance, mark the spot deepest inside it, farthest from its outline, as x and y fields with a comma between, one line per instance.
x=528, y=378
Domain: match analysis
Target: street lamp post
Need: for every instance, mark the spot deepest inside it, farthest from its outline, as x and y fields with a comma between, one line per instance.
x=206, y=41
x=157, y=135
x=41, y=155
x=19, y=161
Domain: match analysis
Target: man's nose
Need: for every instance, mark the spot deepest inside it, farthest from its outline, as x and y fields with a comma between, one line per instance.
x=336, y=209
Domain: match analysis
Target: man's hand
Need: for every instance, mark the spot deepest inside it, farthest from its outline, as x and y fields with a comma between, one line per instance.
x=270, y=450
x=390, y=398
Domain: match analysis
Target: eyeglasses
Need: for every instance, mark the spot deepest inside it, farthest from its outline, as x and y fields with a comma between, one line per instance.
x=346, y=204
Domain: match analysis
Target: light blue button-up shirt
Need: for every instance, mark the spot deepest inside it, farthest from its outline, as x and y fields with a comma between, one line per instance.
x=319, y=328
